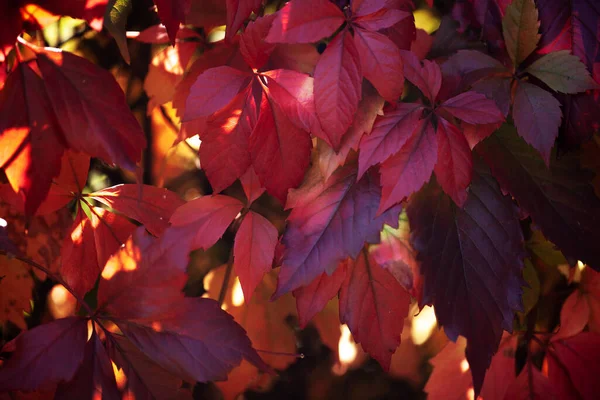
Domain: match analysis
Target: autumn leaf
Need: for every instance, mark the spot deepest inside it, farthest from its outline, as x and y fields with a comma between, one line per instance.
x=330, y=221
x=562, y=72
x=16, y=286
x=520, y=29
x=481, y=249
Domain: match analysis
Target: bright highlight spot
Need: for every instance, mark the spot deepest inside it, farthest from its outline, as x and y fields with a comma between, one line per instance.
x=425, y=19
x=217, y=34
x=237, y=294
x=61, y=303
x=423, y=325
x=119, y=376
x=470, y=394
x=208, y=278
x=580, y=265
x=126, y=259
x=346, y=347
x=3, y=223
x=194, y=142
x=464, y=366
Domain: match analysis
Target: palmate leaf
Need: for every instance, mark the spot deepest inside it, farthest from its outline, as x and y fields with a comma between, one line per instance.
x=471, y=261
x=560, y=200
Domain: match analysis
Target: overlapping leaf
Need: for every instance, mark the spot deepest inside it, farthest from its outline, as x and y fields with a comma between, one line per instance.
x=471, y=261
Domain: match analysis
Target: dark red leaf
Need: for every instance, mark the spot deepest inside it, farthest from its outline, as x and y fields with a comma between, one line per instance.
x=428, y=77
x=196, y=349
x=213, y=90
x=454, y=166
x=202, y=221
x=237, y=12
x=406, y=171
x=371, y=105
x=376, y=15
x=471, y=261
x=573, y=366
x=390, y=133
x=311, y=299
x=497, y=89
x=338, y=78
x=251, y=185
x=373, y=304
x=172, y=14
x=280, y=151
x=95, y=377
x=31, y=144
x=301, y=21
x=73, y=85
x=224, y=153
x=253, y=47
x=537, y=117
x=147, y=204
x=330, y=221
x=473, y=108
x=145, y=379
x=381, y=63
x=59, y=344
x=253, y=251
x=90, y=244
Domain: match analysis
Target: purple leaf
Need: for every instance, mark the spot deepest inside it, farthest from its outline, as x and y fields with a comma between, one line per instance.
x=471, y=261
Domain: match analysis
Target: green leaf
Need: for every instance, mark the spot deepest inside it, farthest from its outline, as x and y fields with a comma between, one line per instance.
x=531, y=293
x=563, y=72
x=520, y=29
x=545, y=250
x=115, y=21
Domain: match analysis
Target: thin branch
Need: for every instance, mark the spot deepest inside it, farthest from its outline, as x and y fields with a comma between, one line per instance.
x=223, y=290
x=54, y=277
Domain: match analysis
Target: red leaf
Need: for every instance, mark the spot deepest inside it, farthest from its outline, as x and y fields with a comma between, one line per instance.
x=172, y=14
x=213, y=90
x=337, y=89
x=374, y=305
x=224, y=153
x=473, y=108
x=150, y=205
x=31, y=144
x=89, y=245
x=574, y=315
x=470, y=257
x=251, y=185
x=428, y=78
x=574, y=365
x=530, y=385
x=311, y=299
x=202, y=221
x=59, y=343
x=237, y=12
x=253, y=47
x=405, y=172
x=95, y=377
x=330, y=221
x=196, y=349
x=497, y=89
x=375, y=15
x=253, y=251
x=381, y=63
x=476, y=133
x=371, y=105
x=293, y=93
x=454, y=165
x=144, y=278
x=390, y=132
x=301, y=21
x=537, y=117
x=73, y=85
x=145, y=379
x=280, y=151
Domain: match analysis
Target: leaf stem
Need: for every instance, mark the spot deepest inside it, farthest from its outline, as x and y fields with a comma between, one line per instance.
x=225, y=284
